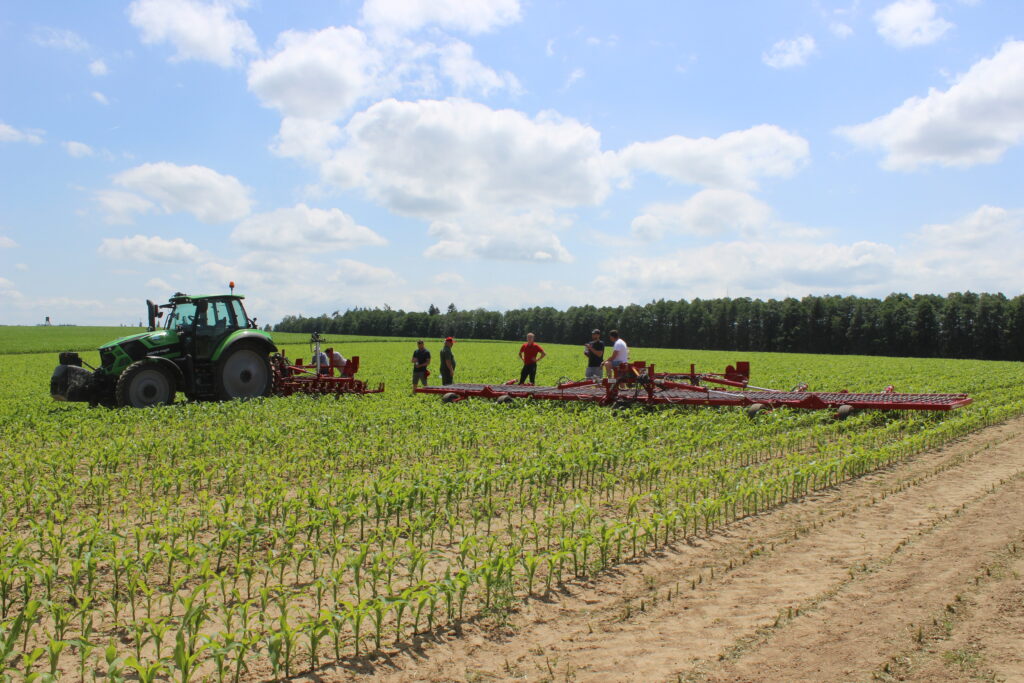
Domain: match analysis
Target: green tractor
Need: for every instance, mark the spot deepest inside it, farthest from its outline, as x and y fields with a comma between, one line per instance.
x=206, y=348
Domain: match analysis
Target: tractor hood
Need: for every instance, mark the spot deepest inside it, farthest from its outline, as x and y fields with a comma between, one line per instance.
x=152, y=340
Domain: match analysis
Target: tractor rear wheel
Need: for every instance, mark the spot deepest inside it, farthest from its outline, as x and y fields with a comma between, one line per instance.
x=143, y=384
x=243, y=372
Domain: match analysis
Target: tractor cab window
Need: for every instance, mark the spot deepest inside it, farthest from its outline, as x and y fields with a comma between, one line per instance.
x=240, y=317
x=216, y=316
x=181, y=315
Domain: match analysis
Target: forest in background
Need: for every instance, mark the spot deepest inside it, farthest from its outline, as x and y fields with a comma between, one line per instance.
x=958, y=325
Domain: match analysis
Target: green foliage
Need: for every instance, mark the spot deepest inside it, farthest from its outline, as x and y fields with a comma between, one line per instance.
x=282, y=534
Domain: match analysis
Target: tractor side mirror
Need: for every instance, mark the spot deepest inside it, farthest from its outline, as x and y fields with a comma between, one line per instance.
x=152, y=313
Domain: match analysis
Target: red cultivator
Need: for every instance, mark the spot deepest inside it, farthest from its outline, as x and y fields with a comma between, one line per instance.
x=296, y=378
x=638, y=383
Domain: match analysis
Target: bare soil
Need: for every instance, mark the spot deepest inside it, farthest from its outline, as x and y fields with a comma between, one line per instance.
x=912, y=573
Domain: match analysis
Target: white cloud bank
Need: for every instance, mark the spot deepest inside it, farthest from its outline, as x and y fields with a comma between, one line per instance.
x=202, y=31
x=488, y=180
x=909, y=23
x=209, y=196
x=980, y=251
x=150, y=249
x=973, y=122
x=734, y=160
x=301, y=228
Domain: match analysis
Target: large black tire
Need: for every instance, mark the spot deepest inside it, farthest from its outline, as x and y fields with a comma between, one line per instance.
x=144, y=384
x=243, y=372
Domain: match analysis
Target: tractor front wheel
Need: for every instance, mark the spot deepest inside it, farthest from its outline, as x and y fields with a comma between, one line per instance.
x=243, y=372
x=144, y=384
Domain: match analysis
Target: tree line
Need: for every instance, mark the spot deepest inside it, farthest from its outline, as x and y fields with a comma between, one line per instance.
x=958, y=325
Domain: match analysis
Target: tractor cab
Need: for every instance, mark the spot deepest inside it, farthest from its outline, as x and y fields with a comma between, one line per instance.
x=202, y=322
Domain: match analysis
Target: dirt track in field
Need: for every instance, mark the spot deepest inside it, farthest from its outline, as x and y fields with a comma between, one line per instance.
x=913, y=573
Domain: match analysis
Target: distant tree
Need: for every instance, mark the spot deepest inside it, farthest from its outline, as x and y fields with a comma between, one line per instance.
x=433, y=310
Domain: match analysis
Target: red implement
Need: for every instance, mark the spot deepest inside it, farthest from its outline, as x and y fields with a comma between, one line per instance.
x=639, y=383
x=296, y=378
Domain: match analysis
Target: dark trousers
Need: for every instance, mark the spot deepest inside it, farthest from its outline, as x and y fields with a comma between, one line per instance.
x=529, y=370
x=446, y=376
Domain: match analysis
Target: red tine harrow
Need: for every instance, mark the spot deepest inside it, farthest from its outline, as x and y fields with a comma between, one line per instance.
x=638, y=383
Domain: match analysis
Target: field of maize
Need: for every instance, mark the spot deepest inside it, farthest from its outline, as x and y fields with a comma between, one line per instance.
x=276, y=537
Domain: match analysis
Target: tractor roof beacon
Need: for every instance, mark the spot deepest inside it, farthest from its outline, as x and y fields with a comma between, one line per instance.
x=206, y=347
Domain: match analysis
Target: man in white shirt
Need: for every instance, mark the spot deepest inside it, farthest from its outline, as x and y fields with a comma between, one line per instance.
x=336, y=361
x=620, y=353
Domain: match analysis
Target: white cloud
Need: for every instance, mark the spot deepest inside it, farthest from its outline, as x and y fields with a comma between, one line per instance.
x=840, y=29
x=707, y=213
x=577, y=74
x=908, y=23
x=449, y=278
x=77, y=149
x=318, y=75
x=789, y=53
x=121, y=207
x=981, y=251
x=734, y=160
x=357, y=274
x=440, y=158
x=8, y=290
x=150, y=249
x=98, y=67
x=405, y=16
x=11, y=134
x=309, y=139
x=100, y=97
x=304, y=229
x=7, y=243
x=157, y=283
x=209, y=196
x=522, y=237
x=456, y=63
x=21, y=266
x=754, y=268
x=59, y=39
x=197, y=30
x=974, y=122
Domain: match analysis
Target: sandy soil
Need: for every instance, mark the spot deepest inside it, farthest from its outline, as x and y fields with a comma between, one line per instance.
x=913, y=573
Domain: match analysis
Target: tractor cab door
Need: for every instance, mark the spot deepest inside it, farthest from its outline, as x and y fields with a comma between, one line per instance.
x=214, y=321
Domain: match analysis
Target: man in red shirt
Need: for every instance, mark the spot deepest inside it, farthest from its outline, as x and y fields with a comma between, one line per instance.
x=530, y=353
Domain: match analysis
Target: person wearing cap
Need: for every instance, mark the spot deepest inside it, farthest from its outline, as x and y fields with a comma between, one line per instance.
x=530, y=353
x=620, y=353
x=594, y=351
x=420, y=361
x=447, y=361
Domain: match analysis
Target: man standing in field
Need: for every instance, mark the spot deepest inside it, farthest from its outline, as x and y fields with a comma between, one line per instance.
x=447, y=361
x=336, y=362
x=620, y=353
x=420, y=361
x=530, y=353
x=594, y=351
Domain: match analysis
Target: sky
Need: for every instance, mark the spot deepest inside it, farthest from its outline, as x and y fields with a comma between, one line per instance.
x=331, y=154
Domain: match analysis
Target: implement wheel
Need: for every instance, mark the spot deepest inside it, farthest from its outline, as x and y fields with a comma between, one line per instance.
x=450, y=397
x=503, y=399
x=243, y=372
x=144, y=384
x=844, y=412
x=754, y=409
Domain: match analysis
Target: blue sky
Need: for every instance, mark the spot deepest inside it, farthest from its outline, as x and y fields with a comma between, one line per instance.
x=328, y=154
